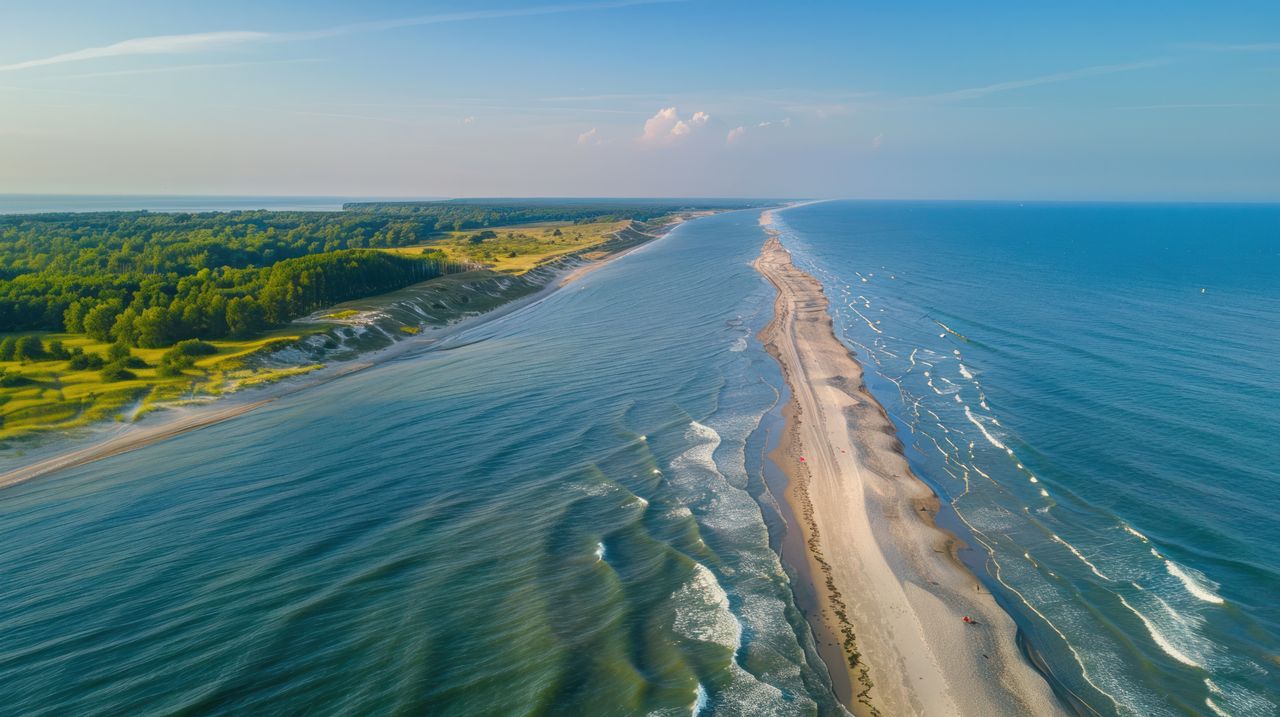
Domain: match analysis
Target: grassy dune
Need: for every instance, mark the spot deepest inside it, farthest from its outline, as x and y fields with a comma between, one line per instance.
x=517, y=249
x=54, y=396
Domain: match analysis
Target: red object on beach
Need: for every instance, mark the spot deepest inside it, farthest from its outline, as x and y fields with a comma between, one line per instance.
x=802, y=459
x=966, y=619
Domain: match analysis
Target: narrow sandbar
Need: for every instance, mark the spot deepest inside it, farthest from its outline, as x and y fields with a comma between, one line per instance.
x=888, y=583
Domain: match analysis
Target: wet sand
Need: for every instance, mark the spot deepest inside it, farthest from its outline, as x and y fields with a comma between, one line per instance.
x=889, y=586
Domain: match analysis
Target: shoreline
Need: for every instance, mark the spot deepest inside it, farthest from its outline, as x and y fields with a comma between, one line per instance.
x=889, y=586
x=63, y=452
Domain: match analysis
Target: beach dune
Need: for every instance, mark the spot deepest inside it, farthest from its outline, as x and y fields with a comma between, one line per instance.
x=893, y=597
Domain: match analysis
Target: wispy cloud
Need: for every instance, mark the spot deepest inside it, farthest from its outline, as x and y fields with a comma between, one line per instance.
x=212, y=41
x=977, y=92
x=1233, y=47
x=1194, y=106
x=183, y=68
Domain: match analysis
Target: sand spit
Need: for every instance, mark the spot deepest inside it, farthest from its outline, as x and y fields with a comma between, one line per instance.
x=890, y=587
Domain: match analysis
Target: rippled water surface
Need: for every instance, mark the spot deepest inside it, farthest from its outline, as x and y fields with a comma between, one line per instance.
x=559, y=514
x=1095, y=388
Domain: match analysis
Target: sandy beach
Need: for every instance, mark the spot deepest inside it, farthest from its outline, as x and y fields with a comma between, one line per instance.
x=891, y=591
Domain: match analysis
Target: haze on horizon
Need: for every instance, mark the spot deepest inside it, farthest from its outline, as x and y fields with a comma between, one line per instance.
x=1175, y=101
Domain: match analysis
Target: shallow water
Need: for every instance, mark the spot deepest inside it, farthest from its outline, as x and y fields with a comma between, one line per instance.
x=558, y=514
x=1093, y=387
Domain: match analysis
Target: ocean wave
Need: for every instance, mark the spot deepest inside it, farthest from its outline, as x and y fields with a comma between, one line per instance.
x=1176, y=642
x=739, y=345
x=1195, y=582
x=1082, y=558
x=702, y=611
x=981, y=427
x=1240, y=702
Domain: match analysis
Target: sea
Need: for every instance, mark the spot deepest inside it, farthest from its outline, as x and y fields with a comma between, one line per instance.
x=45, y=203
x=569, y=509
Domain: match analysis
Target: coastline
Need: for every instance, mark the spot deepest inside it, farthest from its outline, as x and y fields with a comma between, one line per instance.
x=65, y=452
x=889, y=586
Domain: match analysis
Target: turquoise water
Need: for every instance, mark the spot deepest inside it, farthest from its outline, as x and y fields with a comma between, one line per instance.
x=559, y=514
x=1094, y=388
x=563, y=511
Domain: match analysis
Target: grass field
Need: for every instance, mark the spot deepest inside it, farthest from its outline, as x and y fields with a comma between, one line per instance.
x=57, y=397
x=517, y=249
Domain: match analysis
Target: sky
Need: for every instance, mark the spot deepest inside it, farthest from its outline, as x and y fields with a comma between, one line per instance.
x=1174, y=101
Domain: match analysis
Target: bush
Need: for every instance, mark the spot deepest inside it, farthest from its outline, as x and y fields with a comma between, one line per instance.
x=57, y=351
x=193, y=347
x=28, y=348
x=118, y=351
x=81, y=361
x=9, y=380
x=6, y=348
x=116, y=372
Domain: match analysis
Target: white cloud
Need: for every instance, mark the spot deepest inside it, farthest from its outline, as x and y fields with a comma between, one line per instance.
x=784, y=122
x=877, y=142
x=590, y=138
x=735, y=135
x=469, y=120
x=207, y=41
x=667, y=126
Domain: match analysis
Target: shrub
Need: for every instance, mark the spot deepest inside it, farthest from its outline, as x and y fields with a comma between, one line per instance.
x=116, y=372
x=193, y=347
x=83, y=362
x=9, y=380
x=28, y=348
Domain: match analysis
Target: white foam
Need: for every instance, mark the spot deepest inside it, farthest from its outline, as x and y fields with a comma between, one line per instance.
x=965, y=372
x=1159, y=637
x=1195, y=582
x=599, y=552
x=699, y=700
x=1134, y=533
x=990, y=438
x=702, y=611
x=739, y=345
x=1082, y=558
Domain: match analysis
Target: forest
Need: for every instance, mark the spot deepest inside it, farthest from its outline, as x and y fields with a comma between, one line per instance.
x=150, y=279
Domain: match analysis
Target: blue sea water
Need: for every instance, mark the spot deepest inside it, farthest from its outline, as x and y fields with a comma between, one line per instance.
x=1094, y=390
x=564, y=511
x=560, y=512
x=41, y=203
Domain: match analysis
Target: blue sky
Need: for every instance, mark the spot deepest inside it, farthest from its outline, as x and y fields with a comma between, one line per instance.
x=1091, y=100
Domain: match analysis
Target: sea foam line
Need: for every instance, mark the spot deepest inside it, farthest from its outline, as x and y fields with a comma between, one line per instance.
x=1193, y=586
x=1082, y=558
x=1159, y=638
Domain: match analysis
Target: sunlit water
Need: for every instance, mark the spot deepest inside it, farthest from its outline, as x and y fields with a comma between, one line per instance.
x=563, y=512
x=560, y=514
x=1095, y=388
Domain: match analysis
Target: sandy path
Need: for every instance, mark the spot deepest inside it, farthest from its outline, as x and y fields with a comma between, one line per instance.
x=889, y=584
